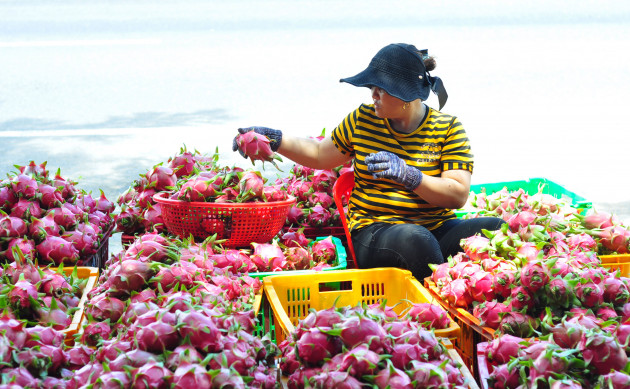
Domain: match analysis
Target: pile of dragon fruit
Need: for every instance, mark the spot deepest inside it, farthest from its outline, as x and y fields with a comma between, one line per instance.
x=577, y=353
x=40, y=296
x=50, y=220
x=370, y=346
x=38, y=357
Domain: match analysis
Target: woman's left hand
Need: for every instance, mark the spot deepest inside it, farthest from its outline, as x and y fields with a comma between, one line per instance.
x=388, y=165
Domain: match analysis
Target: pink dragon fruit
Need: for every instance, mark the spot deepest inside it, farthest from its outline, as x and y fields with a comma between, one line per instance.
x=614, y=379
x=152, y=375
x=22, y=293
x=391, y=377
x=201, y=330
x=49, y=196
x=425, y=375
x=457, y=293
x=324, y=250
x=25, y=209
x=24, y=186
x=534, y=276
x=359, y=361
x=503, y=348
x=615, y=239
x=103, y=307
x=615, y=291
x=504, y=376
x=39, y=229
x=7, y=197
x=191, y=375
x=12, y=227
x=19, y=249
x=318, y=216
x=518, y=324
x=183, y=354
x=268, y=257
x=296, y=215
x=41, y=336
x=489, y=313
x=198, y=188
x=272, y=193
x=560, y=292
x=335, y=380
x=323, y=180
x=250, y=186
x=95, y=332
x=294, y=238
x=599, y=220
x=430, y=315
x=321, y=198
x=64, y=217
x=161, y=178
x=255, y=146
x=184, y=163
x=314, y=346
x=522, y=299
x=590, y=294
x=131, y=275
x=85, y=244
x=602, y=351
x=300, y=189
x=58, y=250
x=302, y=171
x=476, y=247
x=481, y=284
x=157, y=337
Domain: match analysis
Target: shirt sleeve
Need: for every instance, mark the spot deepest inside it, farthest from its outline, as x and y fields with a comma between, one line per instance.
x=456, y=153
x=342, y=134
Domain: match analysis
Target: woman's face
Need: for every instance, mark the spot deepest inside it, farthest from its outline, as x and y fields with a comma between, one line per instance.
x=386, y=106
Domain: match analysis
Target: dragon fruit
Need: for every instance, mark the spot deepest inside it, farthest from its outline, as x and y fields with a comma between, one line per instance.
x=321, y=198
x=504, y=376
x=391, y=377
x=39, y=229
x=296, y=215
x=300, y=189
x=272, y=193
x=590, y=294
x=250, y=186
x=602, y=351
x=64, y=217
x=129, y=276
x=615, y=291
x=314, y=346
x=152, y=375
x=335, y=380
x=430, y=315
x=323, y=180
x=7, y=197
x=615, y=238
x=476, y=247
x=161, y=178
x=255, y=146
x=318, y=216
x=268, y=257
x=191, y=375
x=324, y=250
x=298, y=258
x=599, y=220
x=20, y=249
x=359, y=361
x=534, y=276
x=518, y=324
x=58, y=250
x=614, y=379
x=457, y=293
x=103, y=307
x=503, y=348
x=38, y=336
x=96, y=332
x=24, y=186
x=489, y=313
x=157, y=337
x=201, y=331
x=184, y=163
x=12, y=227
x=481, y=286
x=294, y=238
x=22, y=294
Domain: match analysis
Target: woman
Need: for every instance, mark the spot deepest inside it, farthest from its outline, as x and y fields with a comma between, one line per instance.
x=412, y=165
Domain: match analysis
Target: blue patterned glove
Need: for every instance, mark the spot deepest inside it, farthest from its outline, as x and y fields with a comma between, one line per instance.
x=275, y=137
x=388, y=165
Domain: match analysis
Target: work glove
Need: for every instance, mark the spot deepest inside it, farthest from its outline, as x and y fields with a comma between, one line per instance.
x=388, y=165
x=275, y=138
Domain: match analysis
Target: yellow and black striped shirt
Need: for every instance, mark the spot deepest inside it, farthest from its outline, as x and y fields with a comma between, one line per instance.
x=439, y=144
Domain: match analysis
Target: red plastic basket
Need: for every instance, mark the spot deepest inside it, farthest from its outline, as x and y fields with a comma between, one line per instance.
x=239, y=224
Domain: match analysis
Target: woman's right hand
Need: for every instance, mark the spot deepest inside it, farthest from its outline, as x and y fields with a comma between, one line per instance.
x=275, y=137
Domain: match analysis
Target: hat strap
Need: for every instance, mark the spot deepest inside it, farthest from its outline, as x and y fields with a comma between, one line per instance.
x=437, y=86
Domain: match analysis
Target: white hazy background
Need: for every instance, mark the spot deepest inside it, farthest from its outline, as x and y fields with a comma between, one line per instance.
x=105, y=90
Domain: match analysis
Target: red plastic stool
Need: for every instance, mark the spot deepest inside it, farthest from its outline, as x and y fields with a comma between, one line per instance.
x=343, y=187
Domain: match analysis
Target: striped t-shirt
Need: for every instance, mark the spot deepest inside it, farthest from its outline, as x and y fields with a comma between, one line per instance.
x=439, y=144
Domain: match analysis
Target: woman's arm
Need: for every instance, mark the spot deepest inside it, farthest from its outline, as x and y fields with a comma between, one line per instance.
x=450, y=190
x=312, y=153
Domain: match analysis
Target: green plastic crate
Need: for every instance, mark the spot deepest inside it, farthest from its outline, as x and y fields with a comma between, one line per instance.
x=531, y=186
x=264, y=318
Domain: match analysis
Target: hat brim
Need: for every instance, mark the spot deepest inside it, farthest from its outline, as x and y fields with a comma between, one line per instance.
x=373, y=77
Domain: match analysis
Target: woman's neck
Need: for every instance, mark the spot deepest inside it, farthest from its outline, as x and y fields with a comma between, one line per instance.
x=411, y=118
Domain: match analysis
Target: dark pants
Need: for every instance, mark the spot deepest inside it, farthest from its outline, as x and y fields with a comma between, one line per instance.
x=413, y=247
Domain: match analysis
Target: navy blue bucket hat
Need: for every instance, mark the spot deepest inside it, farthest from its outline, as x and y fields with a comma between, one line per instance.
x=399, y=69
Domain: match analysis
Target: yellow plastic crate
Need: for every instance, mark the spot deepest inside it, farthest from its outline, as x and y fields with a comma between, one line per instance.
x=619, y=262
x=291, y=296
x=83, y=272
